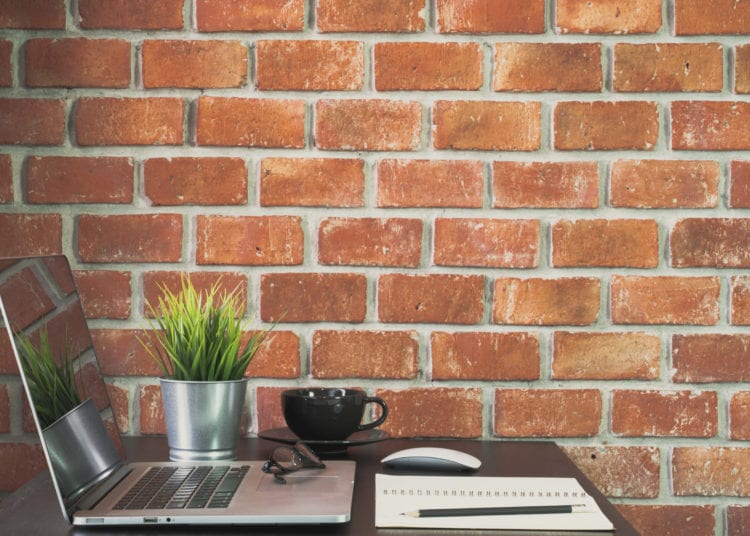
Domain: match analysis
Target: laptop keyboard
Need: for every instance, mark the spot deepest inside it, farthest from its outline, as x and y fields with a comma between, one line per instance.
x=184, y=487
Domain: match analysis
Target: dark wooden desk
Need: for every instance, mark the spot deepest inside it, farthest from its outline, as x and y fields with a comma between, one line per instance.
x=33, y=509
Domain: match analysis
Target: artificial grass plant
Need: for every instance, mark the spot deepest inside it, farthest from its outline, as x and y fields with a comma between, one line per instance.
x=197, y=336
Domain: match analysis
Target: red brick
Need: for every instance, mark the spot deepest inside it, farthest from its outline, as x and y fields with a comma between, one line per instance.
x=244, y=122
x=547, y=67
x=738, y=519
x=739, y=189
x=608, y=16
x=664, y=184
x=154, y=282
x=535, y=301
x=609, y=243
x=605, y=356
x=485, y=356
x=6, y=63
x=739, y=416
x=428, y=412
x=708, y=358
x=370, y=16
x=427, y=66
x=249, y=240
x=30, y=234
x=665, y=300
x=195, y=181
x=250, y=15
x=193, y=64
x=668, y=67
x=33, y=14
x=79, y=179
x=129, y=121
x=313, y=297
x=151, y=410
x=77, y=62
x=714, y=242
x=131, y=14
x=32, y=121
x=742, y=69
x=4, y=410
x=310, y=65
x=545, y=184
x=121, y=353
x=619, y=471
x=740, y=300
x=429, y=183
x=711, y=471
x=370, y=242
x=130, y=238
x=368, y=125
x=498, y=16
x=312, y=182
x=120, y=399
x=268, y=407
x=16, y=289
x=606, y=125
x=6, y=179
x=21, y=462
x=431, y=298
x=547, y=412
x=8, y=363
x=670, y=519
x=655, y=413
x=698, y=17
x=364, y=354
x=279, y=357
x=487, y=125
x=487, y=242
x=105, y=293
x=710, y=125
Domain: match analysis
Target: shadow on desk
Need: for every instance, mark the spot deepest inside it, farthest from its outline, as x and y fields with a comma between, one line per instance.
x=33, y=509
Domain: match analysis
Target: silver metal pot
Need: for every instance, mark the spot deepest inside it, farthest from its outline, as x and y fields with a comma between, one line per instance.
x=80, y=430
x=203, y=418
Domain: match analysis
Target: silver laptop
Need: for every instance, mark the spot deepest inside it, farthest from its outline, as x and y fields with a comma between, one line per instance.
x=38, y=298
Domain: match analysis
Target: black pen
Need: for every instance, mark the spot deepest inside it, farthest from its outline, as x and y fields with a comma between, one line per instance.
x=496, y=510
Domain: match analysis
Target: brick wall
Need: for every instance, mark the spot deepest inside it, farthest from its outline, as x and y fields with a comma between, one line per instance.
x=511, y=219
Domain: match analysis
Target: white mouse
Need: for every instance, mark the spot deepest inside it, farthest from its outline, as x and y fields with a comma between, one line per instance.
x=432, y=459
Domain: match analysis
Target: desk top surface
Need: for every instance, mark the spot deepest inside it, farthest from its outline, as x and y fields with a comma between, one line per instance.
x=33, y=509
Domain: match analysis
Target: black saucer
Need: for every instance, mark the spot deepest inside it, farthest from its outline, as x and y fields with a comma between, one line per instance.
x=322, y=447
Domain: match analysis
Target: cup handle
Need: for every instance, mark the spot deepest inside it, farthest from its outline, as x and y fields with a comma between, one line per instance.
x=379, y=420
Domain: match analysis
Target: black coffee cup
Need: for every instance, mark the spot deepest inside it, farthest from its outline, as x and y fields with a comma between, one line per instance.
x=328, y=414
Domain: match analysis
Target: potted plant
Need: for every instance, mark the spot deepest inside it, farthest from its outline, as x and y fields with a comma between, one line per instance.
x=197, y=343
x=69, y=423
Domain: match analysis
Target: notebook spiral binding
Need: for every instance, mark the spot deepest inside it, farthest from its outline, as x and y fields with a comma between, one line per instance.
x=411, y=492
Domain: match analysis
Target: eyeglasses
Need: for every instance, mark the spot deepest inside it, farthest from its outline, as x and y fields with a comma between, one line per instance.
x=285, y=460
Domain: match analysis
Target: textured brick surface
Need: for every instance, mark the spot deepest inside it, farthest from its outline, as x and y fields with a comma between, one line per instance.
x=671, y=519
x=592, y=355
x=664, y=184
x=620, y=471
x=534, y=301
x=517, y=218
x=547, y=67
x=547, y=412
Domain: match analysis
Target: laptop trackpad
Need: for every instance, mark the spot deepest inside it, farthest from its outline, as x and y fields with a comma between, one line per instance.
x=300, y=483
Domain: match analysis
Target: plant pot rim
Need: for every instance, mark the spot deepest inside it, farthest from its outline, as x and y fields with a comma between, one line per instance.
x=64, y=415
x=201, y=382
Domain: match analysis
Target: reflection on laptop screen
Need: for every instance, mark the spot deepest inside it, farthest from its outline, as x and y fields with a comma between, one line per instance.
x=44, y=320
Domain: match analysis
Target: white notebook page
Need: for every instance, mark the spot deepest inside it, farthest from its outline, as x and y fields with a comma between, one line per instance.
x=396, y=495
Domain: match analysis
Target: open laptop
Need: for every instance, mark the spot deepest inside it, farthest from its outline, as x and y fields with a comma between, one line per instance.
x=38, y=296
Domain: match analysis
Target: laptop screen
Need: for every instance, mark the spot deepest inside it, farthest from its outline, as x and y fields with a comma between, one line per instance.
x=46, y=330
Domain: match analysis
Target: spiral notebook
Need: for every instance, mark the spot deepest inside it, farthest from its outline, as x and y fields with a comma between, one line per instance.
x=399, y=497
